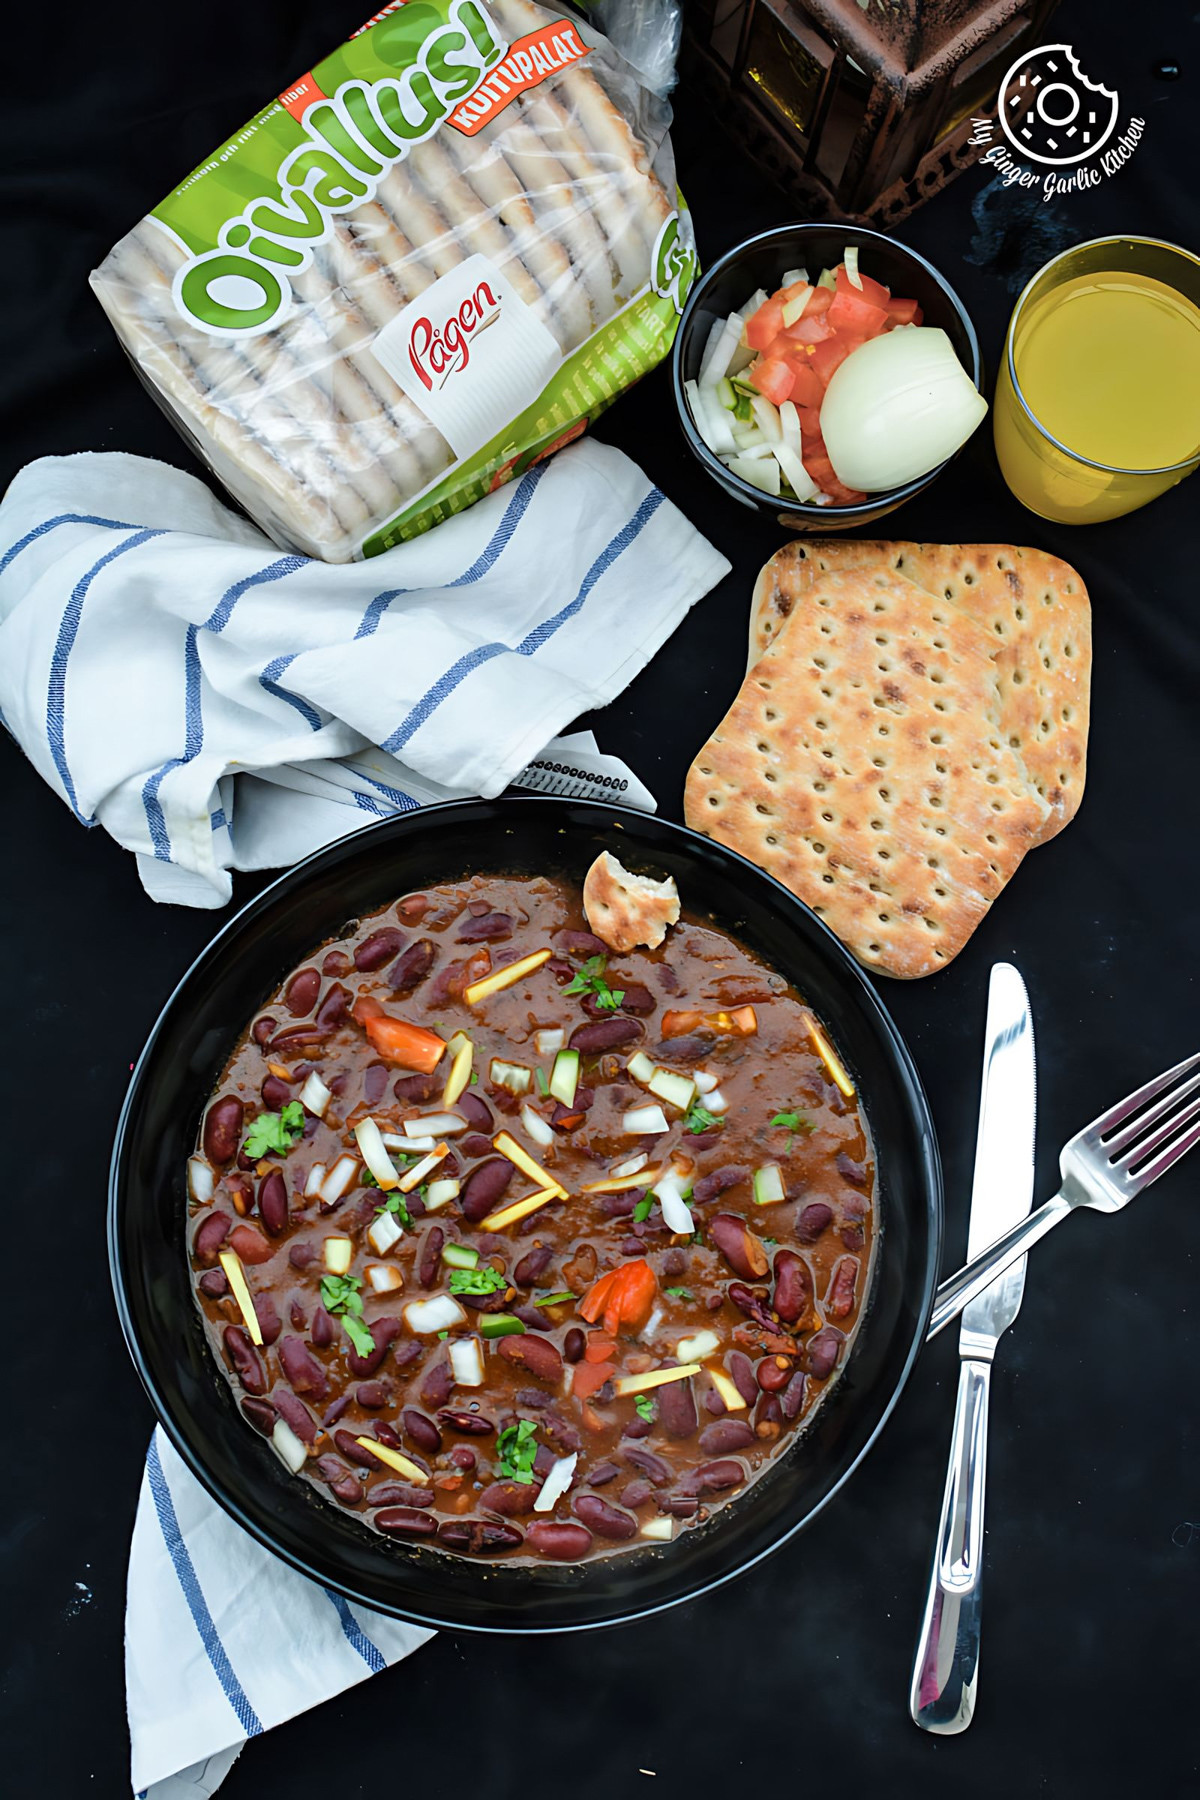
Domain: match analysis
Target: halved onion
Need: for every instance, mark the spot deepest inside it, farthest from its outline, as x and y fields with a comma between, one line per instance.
x=201, y=1181
x=549, y=1041
x=339, y=1254
x=314, y=1096
x=435, y=1125
x=556, y=1483
x=466, y=1360
x=536, y=1126
x=897, y=407
x=644, y=1121
x=374, y=1153
x=291, y=1452
x=440, y=1193
x=441, y=1313
x=341, y=1177
x=383, y=1278
x=384, y=1233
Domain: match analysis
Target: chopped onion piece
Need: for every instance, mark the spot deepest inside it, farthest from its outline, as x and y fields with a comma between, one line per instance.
x=897, y=407
x=793, y=276
x=705, y=1082
x=435, y=1125
x=637, y=1384
x=644, y=1121
x=314, y=1096
x=662, y=1528
x=768, y=418
x=415, y=1176
x=675, y=1211
x=316, y=1176
x=794, y=308
x=761, y=472
x=466, y=1359
x=536, y=1126
x=758, y=298
x=728, y=1390
x=715, y=1102
x=768, y=1185
x=374, y=1153
x=201, y=1181
x=695, y=1349
x=564, y=1076
x=440, y=1193
x=416, y=1146
x=461, y=1051
x=650, y=1328
x=794, y=471
x=789, y=425
x=699, y=414
x=341, y=1177
x=850, y=263
x=384, y=1232
x=549, y=1040
x=676, y=1090
x=632, y=1166
x=339, y=1253
x=720, y=422
x=641, y=1068
x=441, y=1313
x=291, y=1452
x=719, y=351
x=383, y=1278
x=556, y=1483
x=513, y=1076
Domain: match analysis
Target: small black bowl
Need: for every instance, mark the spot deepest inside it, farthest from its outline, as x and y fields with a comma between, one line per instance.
x=761, y=263
x=148, y=1214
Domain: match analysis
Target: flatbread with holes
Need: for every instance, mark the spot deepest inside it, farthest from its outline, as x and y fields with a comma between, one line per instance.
x=866, y=765
x=1035, y=609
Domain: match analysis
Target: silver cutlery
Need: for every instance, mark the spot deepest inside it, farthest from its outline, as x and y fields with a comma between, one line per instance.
x=1103, y=1166
x=946, y=1667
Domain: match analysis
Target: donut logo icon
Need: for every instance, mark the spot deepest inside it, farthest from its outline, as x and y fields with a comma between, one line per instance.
x=1050, y=112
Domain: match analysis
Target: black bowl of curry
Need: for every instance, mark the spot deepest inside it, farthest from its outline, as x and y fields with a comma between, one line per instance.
x=499, y=1264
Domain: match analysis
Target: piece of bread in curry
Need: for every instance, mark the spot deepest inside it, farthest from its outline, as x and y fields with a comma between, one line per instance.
x=628, y=910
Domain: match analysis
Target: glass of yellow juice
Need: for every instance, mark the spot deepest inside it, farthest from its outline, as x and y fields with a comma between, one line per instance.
x=1098, y=396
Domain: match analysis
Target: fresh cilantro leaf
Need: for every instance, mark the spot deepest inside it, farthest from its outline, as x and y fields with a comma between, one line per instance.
x=697, y=1237
x=610, y=998
x=474, y=1081
x=769, y=1240
x=359, y=1336
x=698, y=1118
x=442, y=1335
x=366, y=1179
x=647, y=1408
x=589, y=979
x=275, y=1131
x=516, y=1448
x=556, y=1299
x=680, y=1293
x=542, y=1083
x=395, y=1204
x=792, y=1122
x=477, y=1281
x=643, y=1209
x=339, y=1294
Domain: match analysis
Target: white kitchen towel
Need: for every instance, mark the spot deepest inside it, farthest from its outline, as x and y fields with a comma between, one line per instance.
x=156, y=649
x=223, y=1641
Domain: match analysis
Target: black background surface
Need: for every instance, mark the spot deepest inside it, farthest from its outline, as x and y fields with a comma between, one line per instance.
x=796, y=1677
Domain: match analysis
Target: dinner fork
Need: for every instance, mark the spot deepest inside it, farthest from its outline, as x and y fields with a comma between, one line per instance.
x=1103, y=1166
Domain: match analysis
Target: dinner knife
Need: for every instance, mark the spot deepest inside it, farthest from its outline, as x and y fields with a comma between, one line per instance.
x=946, y=1668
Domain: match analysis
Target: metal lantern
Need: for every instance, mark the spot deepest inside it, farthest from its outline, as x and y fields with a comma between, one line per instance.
x=859, y=108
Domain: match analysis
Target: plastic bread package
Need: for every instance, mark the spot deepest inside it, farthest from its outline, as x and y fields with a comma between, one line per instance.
x=427, y=264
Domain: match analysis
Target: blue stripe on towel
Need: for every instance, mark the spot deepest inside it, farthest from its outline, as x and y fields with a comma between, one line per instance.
x=269, y=682
x=218, y=821
x=533, y=641
x=46, y=525
x=397, y=796
x=56, y=723
x=355, y=1635
x=233, y=1690
x=221, y=614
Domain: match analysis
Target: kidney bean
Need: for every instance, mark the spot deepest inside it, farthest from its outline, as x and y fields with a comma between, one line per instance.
x=410, y=969
x=382, y=1331
x=300, y=1255
x=689, y=1049
x=297, y=1040
x=410, y=1351
x=488, y=927
x=680, y=1506
x=378, y=949
x=430, y=1260
x=334, y=1009
x=484, y=1186
x=324, y=1330
x=620, y=1206
x=605, y=1520
x=450, y=981
x=213, y=1284
x=373, y=1394
x=853, y=1236
x=476, y=1111
x=713, y=1402
x=677, y=1409
x=738, y=1245
x=791, y=1401
x=406, y=1521
x=273, y=1202
x=603, y=1472
x=772, y=1378
x=564, y=1437
x=645, y=1460
x=637, y=1427
x=261, y=1415
x=580, y=943
x=638, y=999
x=330, y=1467
x=263, y=1028
x=715, y=1477
x=336, y=963
x=666, y=977
x=239, y=1188
x=300, y=994
x=726, y=1437
x=333, y=1413
x=559, y=1539
x=560, y=968
x=481, y=1536
x=413, y=1089
x=296, y=1415
x=347, y=1491
x=471, y=1424
x=793, y=1286
x=584, y=1097
x=512, y=1498
x=250, y=1244
x=374, y=1082
x=223, y=1129
x=353, y=1451
x=400, y=1493
x=822, y=1351
x=840, y=1298
x=462, y=1456
x=768, y=1417
x=636, y=1493
x=531, y=1265
x=741, y=1370
x=302, y=1368
x=605, y=1034
x=705, y=1140
x=438, y=1384
x=849, y=1170
x=214, y=1229
x=297, y=1314
x=422, y=1430
x=574, y=1344
x=709, y=1186
x=537, y=1356
x=269, y=1322
x=275, y=1093
x=475, y=1145
x=812, y=1221
x=413, y=906
x=247, y=1363
x=752, y=1305
x=675, y=1262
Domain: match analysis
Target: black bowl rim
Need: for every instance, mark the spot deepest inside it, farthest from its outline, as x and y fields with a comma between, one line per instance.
x=864, y=511
x=295, y=876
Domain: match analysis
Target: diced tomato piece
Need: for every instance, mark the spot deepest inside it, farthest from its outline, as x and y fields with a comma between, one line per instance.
x=807, y=391
x=791, y=293
x=625, y=1296
x=820, y=303
x=831, y=355
x=773, y=378
x=587, y=1377
x=781, y=349
x=809, y=330
x=872, y=291
x=598, y=1348
x=821, y=470
x=855, y=317
x=594, y=1300
x=409, y=1045
x=810, y=420
x=903, y=312
x=765, y=324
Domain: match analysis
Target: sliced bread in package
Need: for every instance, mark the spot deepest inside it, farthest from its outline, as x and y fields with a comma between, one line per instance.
x=424, y=266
